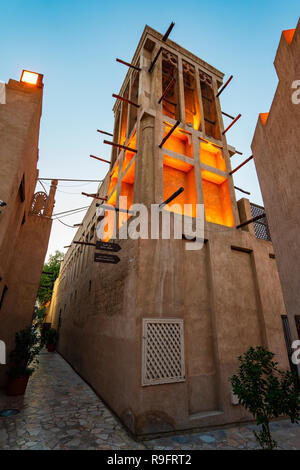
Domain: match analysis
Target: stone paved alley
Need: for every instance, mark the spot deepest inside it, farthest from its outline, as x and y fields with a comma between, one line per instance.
x=60, y=411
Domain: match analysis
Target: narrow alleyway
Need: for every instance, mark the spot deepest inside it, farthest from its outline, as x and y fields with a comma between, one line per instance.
x=60, y=411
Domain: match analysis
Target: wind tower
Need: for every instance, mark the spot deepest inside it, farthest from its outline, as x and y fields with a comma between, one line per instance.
x=158, y=335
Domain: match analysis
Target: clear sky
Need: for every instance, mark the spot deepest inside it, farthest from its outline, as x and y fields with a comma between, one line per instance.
x=75, y=44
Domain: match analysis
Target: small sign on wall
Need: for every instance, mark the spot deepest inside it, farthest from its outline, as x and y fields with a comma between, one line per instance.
x=107, y=246
x=104, y=258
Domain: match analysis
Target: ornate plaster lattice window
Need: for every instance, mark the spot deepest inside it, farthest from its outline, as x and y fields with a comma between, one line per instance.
x=170, y=85
x=211, y=126
x=39, y=203
x=163, y=351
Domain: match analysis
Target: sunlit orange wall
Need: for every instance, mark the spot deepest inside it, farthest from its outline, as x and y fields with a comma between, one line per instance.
x=192, y=109
x=173, y=179
x=179, y=142
x=123, y=129
x=217, y=202
x=127, y=189
x=212, y=156
x=129, y=155
x=113, y=178
x=110, y=218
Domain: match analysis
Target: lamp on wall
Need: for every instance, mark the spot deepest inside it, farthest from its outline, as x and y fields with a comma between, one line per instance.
x=32, y=78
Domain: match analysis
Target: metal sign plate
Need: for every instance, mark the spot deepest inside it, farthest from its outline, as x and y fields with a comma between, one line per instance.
x=104, y=258
x=107, y=246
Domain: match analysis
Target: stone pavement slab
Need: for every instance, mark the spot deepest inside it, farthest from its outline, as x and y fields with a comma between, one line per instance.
x=60, y=411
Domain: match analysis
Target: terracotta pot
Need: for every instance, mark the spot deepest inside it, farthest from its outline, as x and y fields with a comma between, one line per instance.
x=51, y=347
x=17, y=386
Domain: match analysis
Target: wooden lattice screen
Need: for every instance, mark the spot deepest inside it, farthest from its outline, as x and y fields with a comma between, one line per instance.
x=261, y=227
x=163, y=351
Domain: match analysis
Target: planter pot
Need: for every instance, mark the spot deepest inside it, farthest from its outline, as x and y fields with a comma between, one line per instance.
x=51, y=347
x=17, y=386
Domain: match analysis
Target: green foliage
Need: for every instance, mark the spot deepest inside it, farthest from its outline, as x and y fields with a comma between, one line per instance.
x=40, y=314
x=51, y=336
x=47, y=280
x=24, y=356
x=266, y=391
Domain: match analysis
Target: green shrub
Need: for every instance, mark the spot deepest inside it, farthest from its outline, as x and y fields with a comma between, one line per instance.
x=266, y=391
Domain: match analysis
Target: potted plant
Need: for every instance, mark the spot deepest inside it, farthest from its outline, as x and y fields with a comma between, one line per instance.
x=23, y=360
x=51, y=339
x=18, y=379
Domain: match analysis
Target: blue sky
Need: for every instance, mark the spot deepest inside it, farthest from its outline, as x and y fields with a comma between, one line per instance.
x=74, y=44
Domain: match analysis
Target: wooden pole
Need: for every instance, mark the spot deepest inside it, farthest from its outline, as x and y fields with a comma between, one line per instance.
x=164, y=38
x=120, y=146
x=169, y=134
x=129, y=65
x=118, y=97
x=154, y=60
x=101, y=159
x=84, y=243
x=242, y=190
x=95, y=196
x=254, y=219
x=240, y=166
x=228, y=115
x=167, y=33
x=224, y=86
x=167, y=89
x=176, y=194
x=106, y=133
x=117, y=209
x=230, y=125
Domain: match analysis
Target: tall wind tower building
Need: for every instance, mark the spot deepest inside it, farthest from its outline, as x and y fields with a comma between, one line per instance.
x=158, y=334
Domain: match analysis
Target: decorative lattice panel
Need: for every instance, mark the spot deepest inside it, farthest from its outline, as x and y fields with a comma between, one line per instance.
x=261, y=227
x=163, y=351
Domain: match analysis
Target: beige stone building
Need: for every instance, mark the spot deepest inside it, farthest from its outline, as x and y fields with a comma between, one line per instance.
x=276, y=149
x=158, y=334
x=25, y=220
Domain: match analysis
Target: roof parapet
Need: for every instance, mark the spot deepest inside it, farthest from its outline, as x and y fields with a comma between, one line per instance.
x=264, y=118
x=288, y=34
